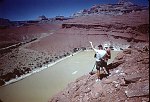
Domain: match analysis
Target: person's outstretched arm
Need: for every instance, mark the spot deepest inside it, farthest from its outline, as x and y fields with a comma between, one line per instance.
x=92, y=46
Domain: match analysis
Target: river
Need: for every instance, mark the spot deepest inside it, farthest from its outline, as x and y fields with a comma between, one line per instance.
x=39, y=87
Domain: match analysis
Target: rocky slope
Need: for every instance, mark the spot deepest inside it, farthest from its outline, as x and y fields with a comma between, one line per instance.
x=22, y=34
x=128, y=81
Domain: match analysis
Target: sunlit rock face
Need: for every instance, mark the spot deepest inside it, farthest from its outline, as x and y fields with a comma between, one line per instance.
x=128, y=81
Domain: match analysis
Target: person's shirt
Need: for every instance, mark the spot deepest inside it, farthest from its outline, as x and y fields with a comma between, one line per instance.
x=99, y=54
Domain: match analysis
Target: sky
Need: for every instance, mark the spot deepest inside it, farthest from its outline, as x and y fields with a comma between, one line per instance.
x=30, y=9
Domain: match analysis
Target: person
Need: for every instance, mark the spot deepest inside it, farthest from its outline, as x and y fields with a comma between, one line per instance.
x=100, y=59
x=108, y=55
x=107, y=49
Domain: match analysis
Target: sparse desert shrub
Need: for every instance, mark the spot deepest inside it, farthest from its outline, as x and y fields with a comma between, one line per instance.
x=75, y=49
x=68, y=53
x=50, y=60
x=18, y=72
x=8, y=76
x=83, y=48
x=1, y=83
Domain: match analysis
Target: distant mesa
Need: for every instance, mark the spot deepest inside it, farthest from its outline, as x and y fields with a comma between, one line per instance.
x=62, y=18
x=120, y=8
x=125, y=2
x=4, y=23
x=59, y=18
x=42, y=17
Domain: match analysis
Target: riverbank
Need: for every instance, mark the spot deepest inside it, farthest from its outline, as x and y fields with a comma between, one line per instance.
x=38, y=69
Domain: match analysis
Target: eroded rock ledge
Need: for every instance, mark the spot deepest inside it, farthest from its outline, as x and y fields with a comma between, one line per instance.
x=128, y=81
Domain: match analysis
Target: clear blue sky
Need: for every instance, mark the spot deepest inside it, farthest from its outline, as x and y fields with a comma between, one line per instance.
x=31, y=9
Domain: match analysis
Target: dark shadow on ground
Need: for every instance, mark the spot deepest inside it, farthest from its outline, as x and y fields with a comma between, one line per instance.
x=103, y=76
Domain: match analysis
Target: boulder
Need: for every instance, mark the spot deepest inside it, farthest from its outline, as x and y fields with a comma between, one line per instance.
x=127, y=51
x=110, y=80
x=129, y=46
x=130, y=69
x=132, y=78
x=138, y=89
x=145, y=61
x=120, y=56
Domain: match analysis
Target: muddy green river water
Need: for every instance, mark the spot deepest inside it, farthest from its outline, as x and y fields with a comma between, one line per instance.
x=41, y=86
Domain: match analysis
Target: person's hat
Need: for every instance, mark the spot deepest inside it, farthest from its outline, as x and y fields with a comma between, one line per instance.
x=100, y=46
